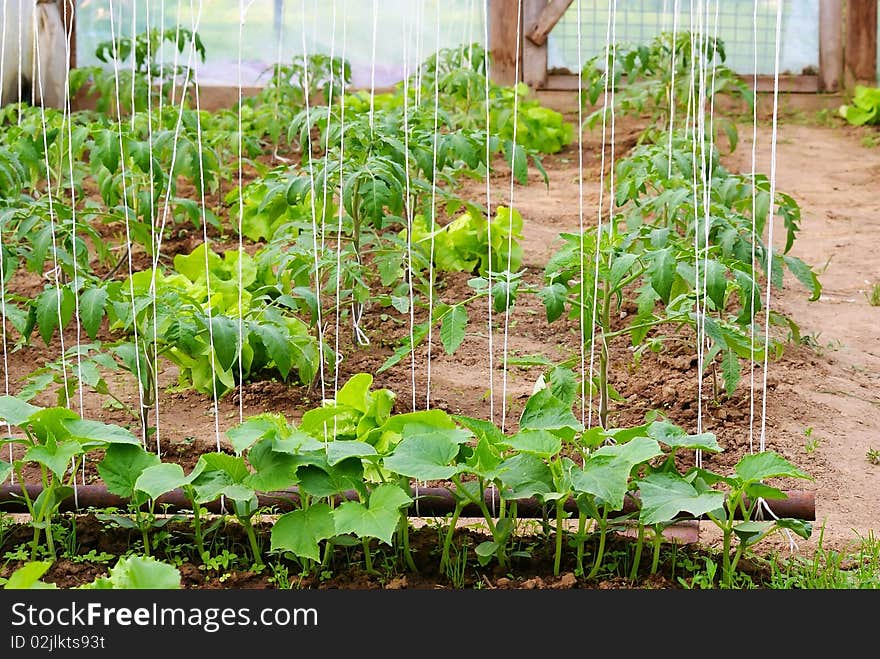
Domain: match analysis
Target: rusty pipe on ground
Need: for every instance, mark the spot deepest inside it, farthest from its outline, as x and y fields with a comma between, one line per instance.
x=432, y=502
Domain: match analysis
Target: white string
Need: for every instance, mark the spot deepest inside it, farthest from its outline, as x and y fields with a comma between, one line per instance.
x=419, y=69
x=67, y=116
x=161, y=54
x=357, y=308
x=490, y=323
x=700, y=137
x=411, y=272
x=707, y=187
x=608, y=91
x=215, y=402
x=433, y=221
x=409, y=229
x=133, y=59
x=243, y=7
x=20, y=55
x=770, y=222
x=152, y=188
x=166, y=208
x=126, y=211
x=320, y=326
x=56, y=270
x=504, y=353
x=339, y=239
x=2, y=264
x=373, y=63
x=329, y=103
x=754, y=232
x=672, y=106
x=580, y=143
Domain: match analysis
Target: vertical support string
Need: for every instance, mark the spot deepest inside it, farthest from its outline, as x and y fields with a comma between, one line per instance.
x=433, y=218
x=490, y=321
x=504, y=353
x=770, y=223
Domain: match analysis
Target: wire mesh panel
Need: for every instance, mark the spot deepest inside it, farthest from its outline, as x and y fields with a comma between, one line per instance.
x=274, y=31
x=639, y=21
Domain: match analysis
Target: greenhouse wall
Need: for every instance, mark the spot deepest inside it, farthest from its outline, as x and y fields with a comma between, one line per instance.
x=748, y=30
x=382, y=40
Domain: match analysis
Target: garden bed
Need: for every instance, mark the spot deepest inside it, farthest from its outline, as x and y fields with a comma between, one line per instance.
x=519, y=373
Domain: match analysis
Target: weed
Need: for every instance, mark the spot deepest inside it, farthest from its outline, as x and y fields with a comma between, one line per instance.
x=831, y=569
x=93, y=556
x=871, y=140
x=811, y=443
x=873, y=456
x=280, y=576
x=873, y=295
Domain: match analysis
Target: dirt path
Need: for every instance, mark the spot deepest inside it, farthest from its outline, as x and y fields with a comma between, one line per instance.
x=831, y=413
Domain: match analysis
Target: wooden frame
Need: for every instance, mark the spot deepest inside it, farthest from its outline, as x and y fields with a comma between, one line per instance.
x=860, y=49
x=847, y=46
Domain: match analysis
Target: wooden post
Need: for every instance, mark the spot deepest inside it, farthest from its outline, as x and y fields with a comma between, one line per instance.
x=503, y=46
x=830, y=45
x=860, y=51
x=538, y=29
x=534, y=56
x=67, y=9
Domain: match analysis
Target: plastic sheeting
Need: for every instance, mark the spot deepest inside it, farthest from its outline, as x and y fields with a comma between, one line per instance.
x=381, y=38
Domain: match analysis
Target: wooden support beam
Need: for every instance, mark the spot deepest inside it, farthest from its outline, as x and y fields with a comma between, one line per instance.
x=67, y=9
x=830, y=45
x=504, y=17
x=534, y=57
x=787, y=83
x=538, y=30
x=860, y=50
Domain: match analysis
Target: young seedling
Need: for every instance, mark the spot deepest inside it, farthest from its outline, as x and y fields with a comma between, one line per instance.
x=56, y=440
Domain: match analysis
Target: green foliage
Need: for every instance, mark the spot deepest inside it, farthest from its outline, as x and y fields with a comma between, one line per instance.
x=355, y=453
x=458, y=78
x=138, y=573
x=864, y=109
x=55, y=440
x=145, y=82
x=471, y=244
x=27, y=577
x=660, y=79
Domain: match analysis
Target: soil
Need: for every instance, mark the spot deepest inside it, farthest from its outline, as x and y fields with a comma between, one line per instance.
x=532, y=570
x=822, y=404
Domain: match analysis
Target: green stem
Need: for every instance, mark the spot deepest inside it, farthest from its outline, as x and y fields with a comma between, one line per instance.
x=328, y=552
x=581, y=541
x=657, y=542
x=404, y=541
x=197, y=530
x=604, y=358
x=560, y=514
x=603, y=534
x=252, y=540
x=368, y=558
x=447, y=543
x=637, y=557
x=739, y=552
x=145, y=535
x=728, y=534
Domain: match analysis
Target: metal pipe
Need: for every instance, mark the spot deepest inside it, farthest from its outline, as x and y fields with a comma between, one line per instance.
x=433, y=502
